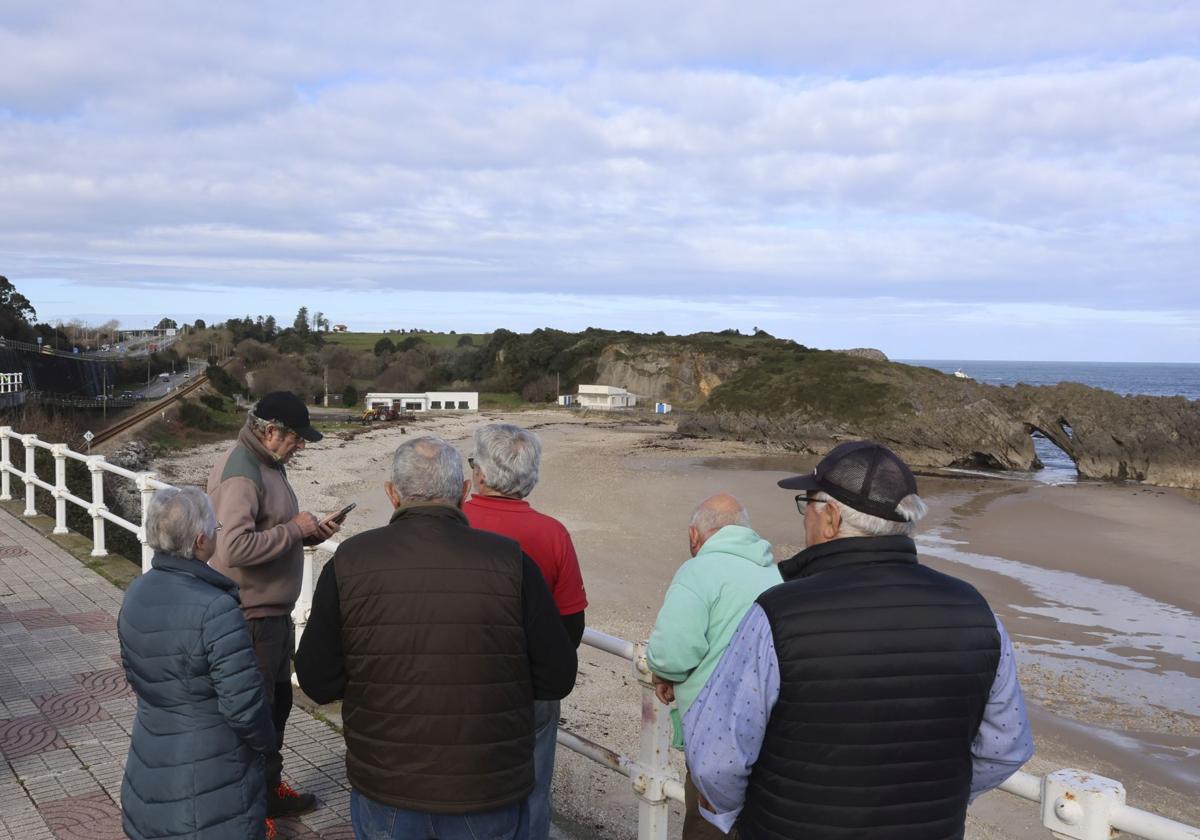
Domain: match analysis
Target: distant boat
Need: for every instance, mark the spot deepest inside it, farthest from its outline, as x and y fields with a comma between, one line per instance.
x=959, y=374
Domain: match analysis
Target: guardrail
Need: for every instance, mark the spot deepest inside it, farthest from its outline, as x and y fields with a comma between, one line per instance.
x=1074, y=803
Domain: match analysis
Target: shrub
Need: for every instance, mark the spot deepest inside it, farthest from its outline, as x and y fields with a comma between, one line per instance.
x=213, y=401
x=191, y=414
x=350, y=395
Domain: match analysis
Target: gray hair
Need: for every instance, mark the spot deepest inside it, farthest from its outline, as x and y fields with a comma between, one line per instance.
x=175, y=517
x=715, y=512
x=427, y=469
x=855, y=523
x=509, y=457
x=259, y=426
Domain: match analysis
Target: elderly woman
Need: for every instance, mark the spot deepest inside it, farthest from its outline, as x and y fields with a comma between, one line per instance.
x=195, y=766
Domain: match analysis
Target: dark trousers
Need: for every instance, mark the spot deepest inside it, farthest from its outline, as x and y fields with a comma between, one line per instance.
x=695, y=827
x=274, y=642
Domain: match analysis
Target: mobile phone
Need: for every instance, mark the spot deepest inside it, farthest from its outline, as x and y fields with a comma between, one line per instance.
x=340, y=516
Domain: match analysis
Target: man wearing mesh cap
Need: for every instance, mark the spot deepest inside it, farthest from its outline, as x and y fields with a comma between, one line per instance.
x=867, y=695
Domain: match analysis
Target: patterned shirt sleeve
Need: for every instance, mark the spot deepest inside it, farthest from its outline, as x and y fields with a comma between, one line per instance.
x=724, y=727
x=1004, y=741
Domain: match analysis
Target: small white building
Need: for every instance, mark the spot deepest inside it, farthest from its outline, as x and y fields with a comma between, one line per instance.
x=426, y=401
x=662, y=408
x=605, y=397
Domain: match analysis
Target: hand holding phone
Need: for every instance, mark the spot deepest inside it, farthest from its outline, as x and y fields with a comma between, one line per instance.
x=340, y=517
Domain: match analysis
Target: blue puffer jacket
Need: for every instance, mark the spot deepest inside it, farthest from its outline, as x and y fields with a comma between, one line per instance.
x=195, y=768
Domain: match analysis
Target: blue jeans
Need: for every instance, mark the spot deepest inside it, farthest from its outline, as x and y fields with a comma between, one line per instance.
x=375, y=821
x=545, y=731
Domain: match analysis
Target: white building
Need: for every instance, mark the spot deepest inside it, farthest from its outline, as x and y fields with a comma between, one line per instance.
x=427, y=401
x=605, y=397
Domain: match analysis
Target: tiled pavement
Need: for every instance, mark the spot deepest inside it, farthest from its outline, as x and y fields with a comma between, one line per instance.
x=66, y=711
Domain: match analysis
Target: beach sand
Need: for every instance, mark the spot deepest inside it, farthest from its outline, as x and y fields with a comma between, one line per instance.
x=1095, y=583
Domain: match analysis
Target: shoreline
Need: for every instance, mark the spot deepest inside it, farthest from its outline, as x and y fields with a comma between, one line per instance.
x=1111, y=690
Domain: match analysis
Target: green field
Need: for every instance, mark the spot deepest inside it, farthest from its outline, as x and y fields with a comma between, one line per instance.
x=367, y=340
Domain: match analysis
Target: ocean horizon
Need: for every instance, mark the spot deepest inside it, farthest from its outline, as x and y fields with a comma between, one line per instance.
x=1151, y=379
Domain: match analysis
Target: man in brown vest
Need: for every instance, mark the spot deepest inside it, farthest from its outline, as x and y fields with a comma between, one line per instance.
x=438, y=638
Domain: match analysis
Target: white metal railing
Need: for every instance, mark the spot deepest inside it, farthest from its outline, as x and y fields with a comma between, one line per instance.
x=1074, y=803
x=11, y=383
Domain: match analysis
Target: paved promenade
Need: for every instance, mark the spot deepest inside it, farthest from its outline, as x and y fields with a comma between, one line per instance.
x=66, y=711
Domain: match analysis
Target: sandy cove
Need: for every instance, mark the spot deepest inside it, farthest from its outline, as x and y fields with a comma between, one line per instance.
x=1095, y=583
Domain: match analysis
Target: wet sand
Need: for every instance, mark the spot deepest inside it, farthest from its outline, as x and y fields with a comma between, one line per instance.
x=1095, y=583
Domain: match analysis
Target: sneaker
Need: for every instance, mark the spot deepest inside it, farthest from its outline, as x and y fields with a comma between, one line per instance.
x=270, y=829
x=285, y=801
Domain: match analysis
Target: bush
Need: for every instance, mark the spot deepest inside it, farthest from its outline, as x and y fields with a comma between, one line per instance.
x=191, y=414
x=350, y=395
x=213, y=401
x=384, y=345
x=222, y=380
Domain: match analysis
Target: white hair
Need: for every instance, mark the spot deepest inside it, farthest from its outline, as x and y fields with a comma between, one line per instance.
x=175, y=517
x=708, y=519
x=259, y=426
x=508, y=457
x=427, y=469
x=855, y=523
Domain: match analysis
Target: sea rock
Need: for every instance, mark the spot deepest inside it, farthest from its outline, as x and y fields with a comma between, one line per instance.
x=865, y=353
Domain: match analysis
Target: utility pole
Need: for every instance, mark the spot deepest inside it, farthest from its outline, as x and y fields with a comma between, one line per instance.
x=327, y=386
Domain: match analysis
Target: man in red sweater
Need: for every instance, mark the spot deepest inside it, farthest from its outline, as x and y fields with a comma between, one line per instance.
x=504, y=470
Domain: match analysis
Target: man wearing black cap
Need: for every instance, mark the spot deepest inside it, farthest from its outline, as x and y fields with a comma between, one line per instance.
x=260, y=545
x=867, y=695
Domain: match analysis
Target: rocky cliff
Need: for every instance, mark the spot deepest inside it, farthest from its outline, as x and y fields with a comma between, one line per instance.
x=808, y=400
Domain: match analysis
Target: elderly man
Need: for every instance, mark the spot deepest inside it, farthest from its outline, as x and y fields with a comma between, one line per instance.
x=731, y=565
x=868, y=696
x=261, y=548
x=439, y=637
x=504, y=469
x=189, y=660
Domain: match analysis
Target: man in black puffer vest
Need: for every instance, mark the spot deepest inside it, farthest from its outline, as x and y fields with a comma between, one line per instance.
x=439, y=637
x=867, y=696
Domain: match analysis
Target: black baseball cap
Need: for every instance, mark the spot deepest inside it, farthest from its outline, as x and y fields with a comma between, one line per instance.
x=287, y=408
x=865, y=475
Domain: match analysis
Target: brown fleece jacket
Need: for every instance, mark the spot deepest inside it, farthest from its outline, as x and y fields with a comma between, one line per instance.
x=258, y=546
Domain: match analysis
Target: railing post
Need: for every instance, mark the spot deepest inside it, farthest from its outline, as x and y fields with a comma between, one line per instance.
x=143, y=485
x=94, y=465
x=1080, y=805
x=303, y=606
x=5, y=464
x=30, y=473
x=60, y=488
x=654, y=756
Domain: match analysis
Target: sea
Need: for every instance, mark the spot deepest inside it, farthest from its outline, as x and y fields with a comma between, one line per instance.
x=1154, y=379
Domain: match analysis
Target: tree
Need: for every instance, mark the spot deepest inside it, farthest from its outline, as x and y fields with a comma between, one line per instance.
x=384, y=345
x=317, y=318
x=17, y=314
x=466, y=341
x=167, y=324
x=301, y=322
x=350, y=395
x=269, y=328
x=199, y=325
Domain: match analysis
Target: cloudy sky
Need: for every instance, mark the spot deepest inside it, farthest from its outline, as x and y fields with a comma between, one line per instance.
x=1014, y=180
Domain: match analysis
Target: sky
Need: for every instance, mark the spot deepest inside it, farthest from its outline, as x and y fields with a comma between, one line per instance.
x=969, y=180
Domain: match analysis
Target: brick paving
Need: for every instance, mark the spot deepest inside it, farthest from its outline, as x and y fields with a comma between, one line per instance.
x=66, y=710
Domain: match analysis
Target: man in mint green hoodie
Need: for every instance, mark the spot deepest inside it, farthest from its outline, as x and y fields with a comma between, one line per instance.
x=731, y=565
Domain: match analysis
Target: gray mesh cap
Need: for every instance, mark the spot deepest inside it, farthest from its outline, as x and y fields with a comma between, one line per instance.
x=864, y=475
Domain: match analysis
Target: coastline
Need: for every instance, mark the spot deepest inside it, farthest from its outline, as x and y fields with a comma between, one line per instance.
x=1072, y=571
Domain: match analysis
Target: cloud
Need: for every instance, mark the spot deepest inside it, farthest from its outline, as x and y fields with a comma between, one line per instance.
x=1039, y=154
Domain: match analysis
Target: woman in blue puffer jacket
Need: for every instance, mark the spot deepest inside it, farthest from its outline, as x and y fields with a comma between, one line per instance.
x=195, y=766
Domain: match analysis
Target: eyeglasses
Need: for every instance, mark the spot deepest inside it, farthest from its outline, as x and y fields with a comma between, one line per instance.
x=219, y=526
x=802, y=502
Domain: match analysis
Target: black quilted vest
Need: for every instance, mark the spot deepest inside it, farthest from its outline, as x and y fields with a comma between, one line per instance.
x=885, y=669
x=439, y=704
